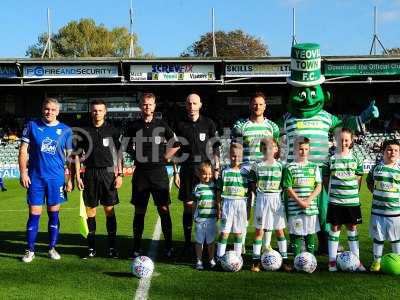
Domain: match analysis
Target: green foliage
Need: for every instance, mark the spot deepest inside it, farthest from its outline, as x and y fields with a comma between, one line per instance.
x=235, y=43
x=84, y=38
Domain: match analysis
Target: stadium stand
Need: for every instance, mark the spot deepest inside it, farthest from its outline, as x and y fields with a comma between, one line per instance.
x=9, y=153
x=368, y=147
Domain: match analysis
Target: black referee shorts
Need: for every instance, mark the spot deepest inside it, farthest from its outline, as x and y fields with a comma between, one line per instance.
x=188, y=175
x=150, y=181
x=341, y=214
x=99, y=187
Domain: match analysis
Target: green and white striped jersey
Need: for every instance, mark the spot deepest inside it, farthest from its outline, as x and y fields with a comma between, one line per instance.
x=268, y=177
x=233, y=184
x=386, y=195
x=302, y=178
x=252, y=133
x=343, y=181
x=205, y=196
x=316, y=129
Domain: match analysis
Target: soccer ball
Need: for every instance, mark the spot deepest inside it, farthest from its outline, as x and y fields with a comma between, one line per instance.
x=231, y=262
x=271, y=260
x=347, y=261
x=390, y=264
x=142, y=267
x=305, y=262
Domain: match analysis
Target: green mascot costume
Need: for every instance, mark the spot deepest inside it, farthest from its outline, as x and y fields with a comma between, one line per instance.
x=306, y=117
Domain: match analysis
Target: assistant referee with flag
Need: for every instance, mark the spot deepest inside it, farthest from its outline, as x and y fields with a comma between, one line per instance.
x=103, y=174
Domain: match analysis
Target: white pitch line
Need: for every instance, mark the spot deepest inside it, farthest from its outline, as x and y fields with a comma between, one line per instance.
x=142, y=291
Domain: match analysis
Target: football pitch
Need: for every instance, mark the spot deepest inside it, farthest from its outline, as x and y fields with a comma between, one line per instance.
x=105, y=278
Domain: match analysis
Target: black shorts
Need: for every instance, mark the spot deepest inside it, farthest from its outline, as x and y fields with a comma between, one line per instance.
x=99, y=187
x=189, y=178
x=340, y=214
x=153, y=181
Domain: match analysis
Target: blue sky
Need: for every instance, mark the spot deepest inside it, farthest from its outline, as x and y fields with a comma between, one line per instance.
x=167, y=27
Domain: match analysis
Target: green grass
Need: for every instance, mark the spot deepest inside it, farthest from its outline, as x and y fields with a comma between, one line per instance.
x=103, y=278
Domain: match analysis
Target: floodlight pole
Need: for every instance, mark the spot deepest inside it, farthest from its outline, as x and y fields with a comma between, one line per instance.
x=375, y=38
x=131, y=48
x=213, y=34
x=294, y=41
x=48, y=46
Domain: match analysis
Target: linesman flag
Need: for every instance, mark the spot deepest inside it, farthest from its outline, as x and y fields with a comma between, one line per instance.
x=83, y=227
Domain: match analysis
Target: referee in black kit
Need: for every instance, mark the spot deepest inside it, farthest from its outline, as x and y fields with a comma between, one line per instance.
x=148, y=138
x=103, y=174
x=198, y=143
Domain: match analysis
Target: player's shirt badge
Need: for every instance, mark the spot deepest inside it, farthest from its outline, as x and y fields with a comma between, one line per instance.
x=157, y=140
x=106, y=142
x=49, y=146
x=59, y=131
x=202, y=136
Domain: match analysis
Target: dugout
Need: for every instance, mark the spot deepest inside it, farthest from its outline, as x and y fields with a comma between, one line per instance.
x=224, y=85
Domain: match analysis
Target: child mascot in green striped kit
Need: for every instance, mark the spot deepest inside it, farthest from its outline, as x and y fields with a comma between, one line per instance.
x=306, y=117
x=233, y=201
x=384, y=183
x=205, y=214
x=343, y=180
x=265, y=180
x=303, y=183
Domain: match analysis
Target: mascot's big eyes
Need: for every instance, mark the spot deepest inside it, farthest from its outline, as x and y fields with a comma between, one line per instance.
x=303, y=95
x=313, y=94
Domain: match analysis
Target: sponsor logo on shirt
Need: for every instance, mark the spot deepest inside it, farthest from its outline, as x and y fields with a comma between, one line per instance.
x=343, y=174
x=307, y=124
x=49, y=146
x=269, y=185
x=304, y=181
x=386, y=186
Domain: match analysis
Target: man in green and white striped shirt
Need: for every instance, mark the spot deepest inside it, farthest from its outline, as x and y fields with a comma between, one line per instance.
x=384, y=182
x=302, y=181
x=249, y=132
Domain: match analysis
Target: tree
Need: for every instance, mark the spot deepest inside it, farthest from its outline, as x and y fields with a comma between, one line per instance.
x=86, y=39
x=393, y=51
x=234, y=43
